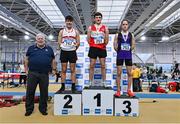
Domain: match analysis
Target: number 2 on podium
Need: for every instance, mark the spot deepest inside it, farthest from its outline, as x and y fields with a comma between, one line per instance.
x=66, y=105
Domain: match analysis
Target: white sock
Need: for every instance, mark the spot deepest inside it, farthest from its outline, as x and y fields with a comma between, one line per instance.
x=90, y=82
x=104, y=82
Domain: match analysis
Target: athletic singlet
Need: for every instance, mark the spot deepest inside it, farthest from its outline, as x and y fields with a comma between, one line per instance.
x=97, y=37
x=68, y=40
x=124, y=46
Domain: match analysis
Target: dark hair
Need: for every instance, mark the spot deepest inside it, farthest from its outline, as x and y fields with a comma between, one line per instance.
x=69, y=17
x=124, y=20
x=134, y=64
x=120, y=28
x=98, y=14
x=176, y=65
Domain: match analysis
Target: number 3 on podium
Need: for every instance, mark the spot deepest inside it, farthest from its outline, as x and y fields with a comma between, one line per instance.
x=128, y=107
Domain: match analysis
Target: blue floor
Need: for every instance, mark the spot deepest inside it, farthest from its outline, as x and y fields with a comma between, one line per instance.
x=140, y=95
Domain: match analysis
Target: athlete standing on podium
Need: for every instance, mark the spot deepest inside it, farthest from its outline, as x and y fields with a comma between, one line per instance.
x=69, y=41
x=124, y=43
x=97, y=37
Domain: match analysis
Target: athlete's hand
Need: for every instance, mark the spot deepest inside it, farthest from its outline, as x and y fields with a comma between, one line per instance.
x=57, y=52
x=133, y=50
x=26, y=72
x=54, y=72
x=58, y=49
x=116, y=48
x=75, y=44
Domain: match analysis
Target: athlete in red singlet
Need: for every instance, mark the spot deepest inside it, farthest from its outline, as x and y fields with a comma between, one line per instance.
x=97, y=37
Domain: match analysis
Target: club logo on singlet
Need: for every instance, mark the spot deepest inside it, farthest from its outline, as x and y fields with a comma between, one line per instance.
x=69, y=40
x=98, y=37
x=125, y=46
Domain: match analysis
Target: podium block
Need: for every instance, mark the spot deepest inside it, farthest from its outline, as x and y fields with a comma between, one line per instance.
x=97, y=101
x=126, y=106
x=67, y=103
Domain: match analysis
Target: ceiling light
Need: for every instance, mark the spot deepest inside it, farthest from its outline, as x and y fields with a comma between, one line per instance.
x=26, y=37
x=5, y=36
x=50, y=37
x=27, y=33
x=165, y=38
x=143, y=38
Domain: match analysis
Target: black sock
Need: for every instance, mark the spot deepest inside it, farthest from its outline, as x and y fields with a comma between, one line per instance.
x=73, y=85
x=62, y=85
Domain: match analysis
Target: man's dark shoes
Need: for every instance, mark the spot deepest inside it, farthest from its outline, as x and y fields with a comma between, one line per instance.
x=28, y=113
x=44, y=113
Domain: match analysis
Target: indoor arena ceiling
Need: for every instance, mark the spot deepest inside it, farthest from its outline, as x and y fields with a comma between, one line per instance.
x=151, y=18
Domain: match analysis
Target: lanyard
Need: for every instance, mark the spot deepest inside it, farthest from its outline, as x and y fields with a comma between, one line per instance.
x=125, y=37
